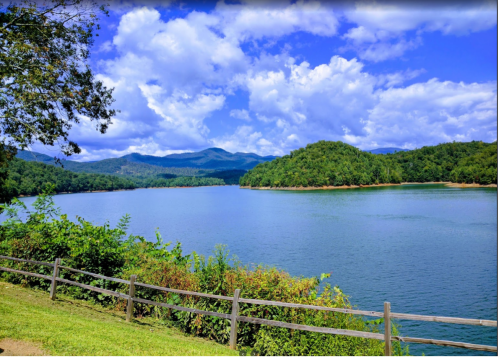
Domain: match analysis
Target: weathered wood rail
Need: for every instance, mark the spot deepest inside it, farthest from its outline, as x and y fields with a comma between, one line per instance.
x=234, y=316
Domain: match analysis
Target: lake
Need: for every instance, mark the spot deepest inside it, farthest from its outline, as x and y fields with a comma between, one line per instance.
x=427, y=249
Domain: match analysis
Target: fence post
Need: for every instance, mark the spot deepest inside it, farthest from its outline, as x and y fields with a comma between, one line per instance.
x=53, y=286
x=233, y=320
x=388, y=330
x=131, y=294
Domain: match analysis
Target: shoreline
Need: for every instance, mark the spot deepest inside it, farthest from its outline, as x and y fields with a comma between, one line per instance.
x=146, y=188
x=124, y=189
x=301, y=188
x=343, y=187
x=69, y=193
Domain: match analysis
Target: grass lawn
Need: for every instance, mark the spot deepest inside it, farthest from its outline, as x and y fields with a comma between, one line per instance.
x=73, y=327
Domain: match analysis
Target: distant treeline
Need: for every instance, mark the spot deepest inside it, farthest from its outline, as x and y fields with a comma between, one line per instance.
x=30, y=178
x=231, y=177
x=182, y=181
x=328, y=163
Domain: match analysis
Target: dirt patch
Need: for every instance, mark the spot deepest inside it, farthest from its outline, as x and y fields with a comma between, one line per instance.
x=9, y=347
x=313, y=188
x=448, y=184
x=469, y=185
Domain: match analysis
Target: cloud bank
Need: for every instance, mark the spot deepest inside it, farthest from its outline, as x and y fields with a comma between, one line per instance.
x=172, y=76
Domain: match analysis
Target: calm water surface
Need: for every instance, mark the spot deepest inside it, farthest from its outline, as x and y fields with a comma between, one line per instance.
x=428, y=249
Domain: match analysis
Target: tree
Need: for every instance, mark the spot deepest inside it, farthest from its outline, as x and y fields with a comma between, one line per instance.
x=46, y=83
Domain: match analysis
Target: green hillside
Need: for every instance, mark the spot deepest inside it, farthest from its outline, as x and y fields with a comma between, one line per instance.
x=324, y=163
x=328, y=163
x=473, y=162
x=30, y=178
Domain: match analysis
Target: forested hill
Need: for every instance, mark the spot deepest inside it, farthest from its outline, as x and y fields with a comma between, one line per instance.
x=473, y=162
x=327, y=163
x=31, y=178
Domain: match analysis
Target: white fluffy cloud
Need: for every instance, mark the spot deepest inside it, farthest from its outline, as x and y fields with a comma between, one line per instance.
x=259, y=20
x=170, y=76
x=246, y=139
x=319, y=100
x=240, y=114
x=381, y=27
x=433, y=112
x=339, y=101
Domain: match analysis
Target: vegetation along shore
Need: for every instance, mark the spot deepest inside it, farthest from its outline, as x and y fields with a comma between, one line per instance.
x=301, y=188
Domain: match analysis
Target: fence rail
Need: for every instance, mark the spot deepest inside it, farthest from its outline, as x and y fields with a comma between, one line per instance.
x=234, y=317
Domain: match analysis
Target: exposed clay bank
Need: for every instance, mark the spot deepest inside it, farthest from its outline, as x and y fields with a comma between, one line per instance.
x=448, y=184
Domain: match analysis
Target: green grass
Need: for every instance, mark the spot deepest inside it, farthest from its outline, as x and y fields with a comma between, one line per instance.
x=73, y=327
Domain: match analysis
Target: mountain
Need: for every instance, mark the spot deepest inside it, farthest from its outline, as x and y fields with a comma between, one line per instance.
x=385, y=150
x=213, y=158
x=214, y=162
x=34, y=156
x=116, y=166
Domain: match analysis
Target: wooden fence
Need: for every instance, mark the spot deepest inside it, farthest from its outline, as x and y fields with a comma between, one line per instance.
x=234, y=317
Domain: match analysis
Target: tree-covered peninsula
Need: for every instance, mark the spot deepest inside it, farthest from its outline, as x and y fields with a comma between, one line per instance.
x=327, y=163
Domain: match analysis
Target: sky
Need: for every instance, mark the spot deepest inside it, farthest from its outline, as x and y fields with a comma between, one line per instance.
x=271, y=77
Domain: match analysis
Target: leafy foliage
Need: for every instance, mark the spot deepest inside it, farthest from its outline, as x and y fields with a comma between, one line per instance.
x=46, y=80
x=473, y=162
x=45, y=235
x=31, y=178
x=324, y=163
x=178, y=182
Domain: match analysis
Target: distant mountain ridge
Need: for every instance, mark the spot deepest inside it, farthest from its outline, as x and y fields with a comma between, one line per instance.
x=385, y=150
x=187, y=164
x=211, y=159
x=34, y=156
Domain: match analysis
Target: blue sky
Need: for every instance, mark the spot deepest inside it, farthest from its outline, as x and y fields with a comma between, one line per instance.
x=272, y=77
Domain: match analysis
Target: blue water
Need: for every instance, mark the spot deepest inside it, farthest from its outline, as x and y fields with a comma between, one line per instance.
x=427, y=249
